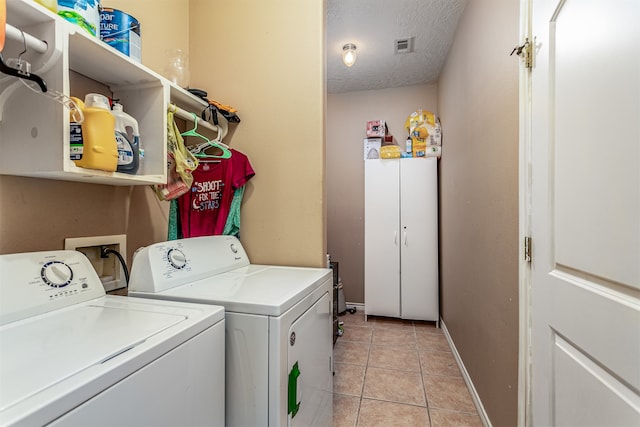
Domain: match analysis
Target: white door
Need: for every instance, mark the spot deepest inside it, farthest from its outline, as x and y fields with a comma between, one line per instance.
x=419, y=239
x=381, y=237
x=586, y=213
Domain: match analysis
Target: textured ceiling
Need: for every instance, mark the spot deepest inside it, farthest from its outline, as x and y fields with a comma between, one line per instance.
x=374, y=26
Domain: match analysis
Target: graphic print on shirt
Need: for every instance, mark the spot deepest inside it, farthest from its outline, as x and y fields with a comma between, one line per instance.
x=206, y=195
x=204, y=210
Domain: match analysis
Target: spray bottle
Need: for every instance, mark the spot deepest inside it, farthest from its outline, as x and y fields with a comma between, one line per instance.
x=128, y=140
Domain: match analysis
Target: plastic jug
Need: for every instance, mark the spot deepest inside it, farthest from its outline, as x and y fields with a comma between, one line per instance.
x=85, y=13
x=95, y=146
x=127, y=139
x=52, y=5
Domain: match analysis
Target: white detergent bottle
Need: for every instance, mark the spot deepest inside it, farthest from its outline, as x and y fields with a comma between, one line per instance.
x=128, y=139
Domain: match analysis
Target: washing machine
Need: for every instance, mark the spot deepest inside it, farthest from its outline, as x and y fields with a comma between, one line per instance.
x=279, y=367
x=72, y=356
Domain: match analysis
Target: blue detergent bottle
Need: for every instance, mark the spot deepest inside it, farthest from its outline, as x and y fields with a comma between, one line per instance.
x=128, y=140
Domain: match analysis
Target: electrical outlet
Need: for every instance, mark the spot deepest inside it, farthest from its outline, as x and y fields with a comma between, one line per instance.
x=108, y=268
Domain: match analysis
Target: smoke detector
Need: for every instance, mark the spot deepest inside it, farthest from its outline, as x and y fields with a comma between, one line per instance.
x=404, y=45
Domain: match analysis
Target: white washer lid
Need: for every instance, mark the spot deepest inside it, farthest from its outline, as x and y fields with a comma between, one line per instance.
x=254, y=289
x=42, y=351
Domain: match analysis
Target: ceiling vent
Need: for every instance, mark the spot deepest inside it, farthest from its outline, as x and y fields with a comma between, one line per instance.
x=404, y=45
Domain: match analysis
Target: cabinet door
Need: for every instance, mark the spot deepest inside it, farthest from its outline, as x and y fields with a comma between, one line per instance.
x=419, y=239
x=381, y=237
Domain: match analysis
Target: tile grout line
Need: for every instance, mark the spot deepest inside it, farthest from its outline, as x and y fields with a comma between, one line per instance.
x=424, y=387
x=366, y=368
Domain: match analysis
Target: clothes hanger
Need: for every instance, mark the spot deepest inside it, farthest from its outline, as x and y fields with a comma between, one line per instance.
x=203, y=156
x=194, y=131
x=199, y=150
x=22, y=69
x=18, y=67
x=22, y=74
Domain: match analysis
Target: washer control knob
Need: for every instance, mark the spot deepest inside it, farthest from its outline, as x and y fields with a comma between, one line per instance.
x=176, y=258
x=234, y=249
x=56, y=274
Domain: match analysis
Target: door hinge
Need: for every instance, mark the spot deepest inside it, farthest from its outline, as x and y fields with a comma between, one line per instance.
x=524, y=51
x=527, y=249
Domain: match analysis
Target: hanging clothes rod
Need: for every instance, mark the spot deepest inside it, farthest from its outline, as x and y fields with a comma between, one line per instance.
x=33, y=43
x=186, y=115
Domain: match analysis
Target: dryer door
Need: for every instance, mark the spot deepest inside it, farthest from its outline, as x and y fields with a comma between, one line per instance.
x=310, y=399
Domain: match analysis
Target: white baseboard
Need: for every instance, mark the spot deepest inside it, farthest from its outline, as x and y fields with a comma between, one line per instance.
x=467, y=379
x=357, y=305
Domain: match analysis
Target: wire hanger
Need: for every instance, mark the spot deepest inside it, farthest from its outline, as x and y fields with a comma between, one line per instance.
x=21, y=68
x=199, y=150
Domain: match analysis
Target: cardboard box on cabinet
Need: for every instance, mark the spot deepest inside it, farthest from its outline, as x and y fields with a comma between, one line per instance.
x=372, y=148
x=376, y=128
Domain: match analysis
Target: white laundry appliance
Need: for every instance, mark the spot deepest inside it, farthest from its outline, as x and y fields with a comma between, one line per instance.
x=72, y=356
x=279, y=343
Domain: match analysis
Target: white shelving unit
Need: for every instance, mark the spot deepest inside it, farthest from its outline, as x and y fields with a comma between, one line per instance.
x=34, y=130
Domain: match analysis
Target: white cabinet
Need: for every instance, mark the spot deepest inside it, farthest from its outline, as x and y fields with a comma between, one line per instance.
x=401, y=238
x=34, y=130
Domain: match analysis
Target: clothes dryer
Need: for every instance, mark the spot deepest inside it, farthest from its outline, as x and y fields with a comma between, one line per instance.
x=72, y=356
x=279, y=367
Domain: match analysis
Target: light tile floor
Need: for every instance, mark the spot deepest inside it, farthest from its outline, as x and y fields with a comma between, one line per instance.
x=391, y=372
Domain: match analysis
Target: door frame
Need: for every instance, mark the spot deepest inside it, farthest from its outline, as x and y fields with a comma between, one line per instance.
x=524, y=220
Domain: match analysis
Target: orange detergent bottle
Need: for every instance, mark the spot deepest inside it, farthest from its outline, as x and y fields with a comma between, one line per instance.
x=94, y=146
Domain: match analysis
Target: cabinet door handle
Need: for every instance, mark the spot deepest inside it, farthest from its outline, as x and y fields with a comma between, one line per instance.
x=395, y=237
x=405, y=237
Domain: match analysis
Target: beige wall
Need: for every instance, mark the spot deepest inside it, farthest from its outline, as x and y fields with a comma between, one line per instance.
x=164, y=25
x=347, y=115
x=281, y=104
x=478, y=106
x=242, y=54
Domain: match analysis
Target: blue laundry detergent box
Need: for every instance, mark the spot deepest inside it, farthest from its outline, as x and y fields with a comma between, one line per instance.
x=121, y=31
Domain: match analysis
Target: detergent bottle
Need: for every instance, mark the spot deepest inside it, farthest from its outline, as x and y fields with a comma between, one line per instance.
x=127, y=139
x=94, y=144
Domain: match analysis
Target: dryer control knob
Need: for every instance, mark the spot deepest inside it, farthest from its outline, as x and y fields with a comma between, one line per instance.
x=56, y=274
x=176, y=258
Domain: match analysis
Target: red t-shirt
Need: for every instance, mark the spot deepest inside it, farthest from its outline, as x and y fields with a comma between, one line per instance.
x=204, y=209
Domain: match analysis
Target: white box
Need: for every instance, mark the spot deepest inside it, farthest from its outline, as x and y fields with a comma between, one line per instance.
x=372, y=148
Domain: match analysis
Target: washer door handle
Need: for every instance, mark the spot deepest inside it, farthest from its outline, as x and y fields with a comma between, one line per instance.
x=293, y=401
